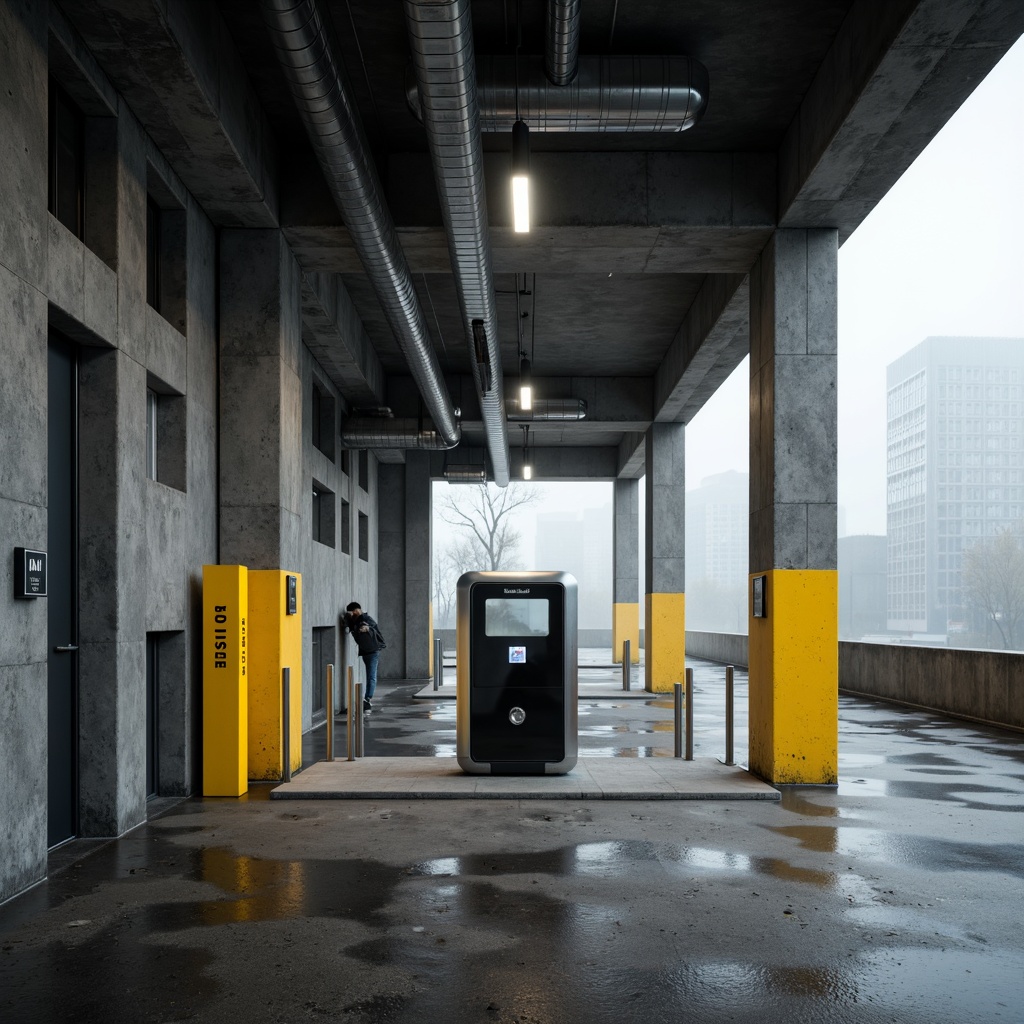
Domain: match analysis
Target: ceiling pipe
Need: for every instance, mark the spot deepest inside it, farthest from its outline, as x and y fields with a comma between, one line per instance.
x=608, y=94
x=375, y=432
x=548, y=410
x=308, y=59
x=562, y=41
x=441, y=40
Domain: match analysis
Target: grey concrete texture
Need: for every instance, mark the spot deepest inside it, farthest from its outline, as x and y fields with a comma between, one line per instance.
x=391, y=484
x=80, y=284
x=626, y=541
x=23, y=143
x=664, y=509
x=23, y=391
x=23, y=793
x=22, y=622
x=164, y=575
x=892, y=896
x=166, y=353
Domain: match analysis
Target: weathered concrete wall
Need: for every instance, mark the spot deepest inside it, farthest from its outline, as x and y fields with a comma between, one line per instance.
x=986, y=686
x=728, y=648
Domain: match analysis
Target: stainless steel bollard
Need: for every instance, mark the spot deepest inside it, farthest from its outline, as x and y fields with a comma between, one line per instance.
x=350, y=729
x=729, y=753
x=689, y=714
x=438, y=662
x=286, y=725
x=330, y=712
x=678, y=688
x=627, y=671
x=358, y=702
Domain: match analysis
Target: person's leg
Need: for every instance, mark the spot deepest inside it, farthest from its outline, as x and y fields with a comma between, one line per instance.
x=370, y=660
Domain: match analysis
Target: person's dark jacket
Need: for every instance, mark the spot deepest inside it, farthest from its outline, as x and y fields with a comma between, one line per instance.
x=366, y=639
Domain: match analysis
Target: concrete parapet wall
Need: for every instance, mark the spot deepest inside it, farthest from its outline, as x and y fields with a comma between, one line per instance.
x=728, y=648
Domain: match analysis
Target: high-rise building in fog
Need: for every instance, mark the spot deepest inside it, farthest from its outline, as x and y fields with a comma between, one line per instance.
x=581, y=543
x=717, y=517
x=862, y=573
x=954, y=469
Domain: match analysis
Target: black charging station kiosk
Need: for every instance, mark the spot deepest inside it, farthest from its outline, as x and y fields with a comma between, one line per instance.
x=516, y=673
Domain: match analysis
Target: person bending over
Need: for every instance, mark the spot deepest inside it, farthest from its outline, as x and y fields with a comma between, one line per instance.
x=370, y=642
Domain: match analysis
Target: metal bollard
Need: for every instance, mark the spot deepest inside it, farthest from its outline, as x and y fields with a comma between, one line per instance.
x=286, y=725
x=438, y=662
x=689, y=714
x=678, y=688
x=627, y=672
x=330, y=712
x=729, y=753
x=350, y=729
x=358, y=700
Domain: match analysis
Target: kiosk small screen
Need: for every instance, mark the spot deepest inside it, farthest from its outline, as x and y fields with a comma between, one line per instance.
x=505, y=616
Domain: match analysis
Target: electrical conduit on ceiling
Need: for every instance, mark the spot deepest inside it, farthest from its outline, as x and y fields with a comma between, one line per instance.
x=441, y=40
x=310, y=65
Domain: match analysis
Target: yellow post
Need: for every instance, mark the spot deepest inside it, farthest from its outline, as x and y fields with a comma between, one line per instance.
x=665, y=626
x=794, y=678
x=626, y=626
x=275, y=641
x=225, y=655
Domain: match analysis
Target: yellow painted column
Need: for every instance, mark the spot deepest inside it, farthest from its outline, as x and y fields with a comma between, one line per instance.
x=665, y=663
x=626, y=626
x=275, y=641
x=225, y=700
x=794, y=678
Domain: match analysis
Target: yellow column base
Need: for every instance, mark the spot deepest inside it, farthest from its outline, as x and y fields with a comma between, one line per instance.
x=626, y=626
x=225, y=693
x=275, y=641
x=665, y=626
x=794, y=679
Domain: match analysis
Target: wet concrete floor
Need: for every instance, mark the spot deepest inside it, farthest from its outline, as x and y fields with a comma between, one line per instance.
x=895, y=896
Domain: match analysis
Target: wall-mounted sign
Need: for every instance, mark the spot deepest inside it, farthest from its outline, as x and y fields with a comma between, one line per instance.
x=758, y=597
x=292, y=607
x=29, y=573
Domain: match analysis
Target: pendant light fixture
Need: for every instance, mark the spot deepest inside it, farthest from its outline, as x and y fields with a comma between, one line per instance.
x=520, y=153
x=525, y=370
x=527, y=464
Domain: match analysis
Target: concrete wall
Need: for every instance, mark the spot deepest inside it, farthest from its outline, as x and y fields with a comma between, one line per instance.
x=142, y=542
x=727, y=648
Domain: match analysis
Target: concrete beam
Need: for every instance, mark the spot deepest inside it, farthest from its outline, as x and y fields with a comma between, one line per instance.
x=894, y=76
x=631, y=456
x=618, y=212
x=176, y=66
x=709, y=345
x=335, y=335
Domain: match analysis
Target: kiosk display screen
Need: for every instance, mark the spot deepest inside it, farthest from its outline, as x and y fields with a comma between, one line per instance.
x=505, y=616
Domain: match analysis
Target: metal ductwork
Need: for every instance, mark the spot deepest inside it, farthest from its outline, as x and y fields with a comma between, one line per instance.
x=377, y=432
x=301, y=39
x=609, y=94
x=562, y=41
x=548, y=410
x=465, y=475
x=441, y=40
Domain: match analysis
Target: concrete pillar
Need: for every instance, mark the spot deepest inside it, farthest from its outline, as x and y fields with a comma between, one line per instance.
x=261, y=471
x=626, y=569
x=794, y=648
x=417, y=565
x=664, y=557
x=391, y=532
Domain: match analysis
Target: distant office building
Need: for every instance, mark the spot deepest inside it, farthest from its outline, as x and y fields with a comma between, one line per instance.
x=581, y=543
x=862, y=590
x=954, y=470
x=717, y=517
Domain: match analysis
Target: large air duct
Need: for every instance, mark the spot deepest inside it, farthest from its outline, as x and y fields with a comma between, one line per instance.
x=377, y=432
x=301, y=39
x=548, y=410
x=562, y=41
x=608, y=94
x=441, y=40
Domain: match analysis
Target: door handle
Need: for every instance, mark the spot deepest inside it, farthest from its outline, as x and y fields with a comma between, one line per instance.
x=66, y=648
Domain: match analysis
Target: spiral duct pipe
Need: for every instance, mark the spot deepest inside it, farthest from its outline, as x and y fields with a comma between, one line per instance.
x=562, y=41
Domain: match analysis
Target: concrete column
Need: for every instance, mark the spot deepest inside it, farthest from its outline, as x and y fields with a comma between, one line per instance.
x=626, y=569
x=391, y=530
x=794, y=648
x=664, y=557
x=261, y=478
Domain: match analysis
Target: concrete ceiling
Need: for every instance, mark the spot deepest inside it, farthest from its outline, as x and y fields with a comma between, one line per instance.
x=636, y=264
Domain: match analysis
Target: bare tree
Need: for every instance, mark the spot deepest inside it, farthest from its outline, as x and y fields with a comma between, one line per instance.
x=993, y=576
x=449, y=564
x=485, y=513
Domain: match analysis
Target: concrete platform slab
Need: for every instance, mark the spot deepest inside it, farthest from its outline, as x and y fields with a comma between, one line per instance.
x=593, y=778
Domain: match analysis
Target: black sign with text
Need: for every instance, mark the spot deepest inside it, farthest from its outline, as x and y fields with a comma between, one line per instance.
x=29, y=573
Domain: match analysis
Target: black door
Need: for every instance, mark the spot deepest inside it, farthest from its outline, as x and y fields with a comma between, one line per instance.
x=152, y=715
x=62, y=602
